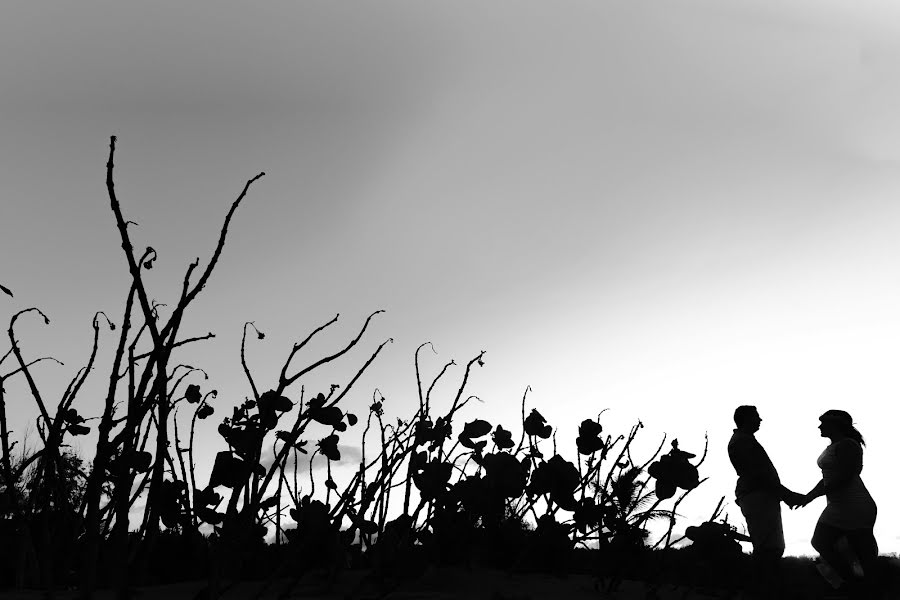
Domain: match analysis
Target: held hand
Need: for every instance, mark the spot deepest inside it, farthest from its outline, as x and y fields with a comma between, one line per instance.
x=793, y=499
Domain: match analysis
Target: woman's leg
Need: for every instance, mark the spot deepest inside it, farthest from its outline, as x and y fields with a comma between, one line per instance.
x=824, y=540
x=863, y=543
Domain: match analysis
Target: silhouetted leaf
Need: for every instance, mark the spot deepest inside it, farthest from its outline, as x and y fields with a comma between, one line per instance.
x=535, y=424
x=371, y=490
x=502, y=438
x=327, y=416
x=208, y=515
x=674, y=468
x=228, y=470
x=268, y=420
x=140, y=461
x=589, y=440
x=272, y=401
x=317, y=402
x=268, y=503
x=71, y=416
x=192, y=394
x=557, y=477
x=328, y=447
x=205, y=411
x=665, y=489
x=433, y=478
x=476, y=429
x=476, y=446
x=368, y=527
x=351, y=419
x=79, y=429
x=505, y=475
x=206, y=497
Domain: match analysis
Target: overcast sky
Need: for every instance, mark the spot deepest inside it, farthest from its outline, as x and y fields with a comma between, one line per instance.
x=664, y=209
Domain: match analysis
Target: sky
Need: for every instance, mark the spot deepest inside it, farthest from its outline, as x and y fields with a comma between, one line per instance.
x=665, y=210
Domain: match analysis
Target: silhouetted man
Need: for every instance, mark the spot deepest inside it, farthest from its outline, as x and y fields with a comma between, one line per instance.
x=759, y=495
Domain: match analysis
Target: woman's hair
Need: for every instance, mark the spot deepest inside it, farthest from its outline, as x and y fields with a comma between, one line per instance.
x=844, y=421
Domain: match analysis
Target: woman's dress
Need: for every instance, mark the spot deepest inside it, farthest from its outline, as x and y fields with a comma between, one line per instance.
x=850, y=506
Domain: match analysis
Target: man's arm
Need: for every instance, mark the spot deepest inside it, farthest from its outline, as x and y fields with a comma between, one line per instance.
x=752, y=463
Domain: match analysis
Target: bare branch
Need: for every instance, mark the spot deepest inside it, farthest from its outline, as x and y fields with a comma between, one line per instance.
x=34, y=362
x=18, y=353
x=360, y=372
x=198, y=338
x=244, y=358
x=433, y=383
x=188, y=298
x=286, y=382
x=418, y=376
x=133, y=266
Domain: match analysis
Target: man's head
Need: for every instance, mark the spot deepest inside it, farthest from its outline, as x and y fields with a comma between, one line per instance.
x=747, y=418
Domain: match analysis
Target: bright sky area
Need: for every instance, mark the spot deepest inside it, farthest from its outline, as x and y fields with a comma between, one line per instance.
x=663, y=209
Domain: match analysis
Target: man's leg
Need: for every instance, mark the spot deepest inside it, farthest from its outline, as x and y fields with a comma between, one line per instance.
x=762, y=511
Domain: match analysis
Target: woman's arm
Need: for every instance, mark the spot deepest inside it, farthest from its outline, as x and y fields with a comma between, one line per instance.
x=818, y=490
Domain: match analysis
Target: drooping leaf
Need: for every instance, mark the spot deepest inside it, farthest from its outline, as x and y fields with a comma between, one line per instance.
x=665, y=489
x=476, y=429
x=368, y=527
x=505, y=475
x=476, y=446
x=327, y=416
x=205, y=411
x=272, y=401
x=140, y=461
x=433, y=479
x=317, y=402
x=192, y=394
x=72, y=417
x=206, y=497
x=589, y=440
x=268, y=503
x=328, y=447
x=502, y=438
x=229, y=471
x=284, y=436
x=535, y=424
x=79, y=429
x=208, y=515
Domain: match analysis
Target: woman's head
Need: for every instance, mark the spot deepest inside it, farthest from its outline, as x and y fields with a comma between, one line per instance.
x=839, y=423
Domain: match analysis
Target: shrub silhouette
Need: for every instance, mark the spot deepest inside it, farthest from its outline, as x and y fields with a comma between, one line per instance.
x=438, y=489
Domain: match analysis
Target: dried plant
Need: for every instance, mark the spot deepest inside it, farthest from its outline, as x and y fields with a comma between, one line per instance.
x=436, y=488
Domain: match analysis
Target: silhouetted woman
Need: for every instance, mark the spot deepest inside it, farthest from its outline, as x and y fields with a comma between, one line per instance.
x=850, y=511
